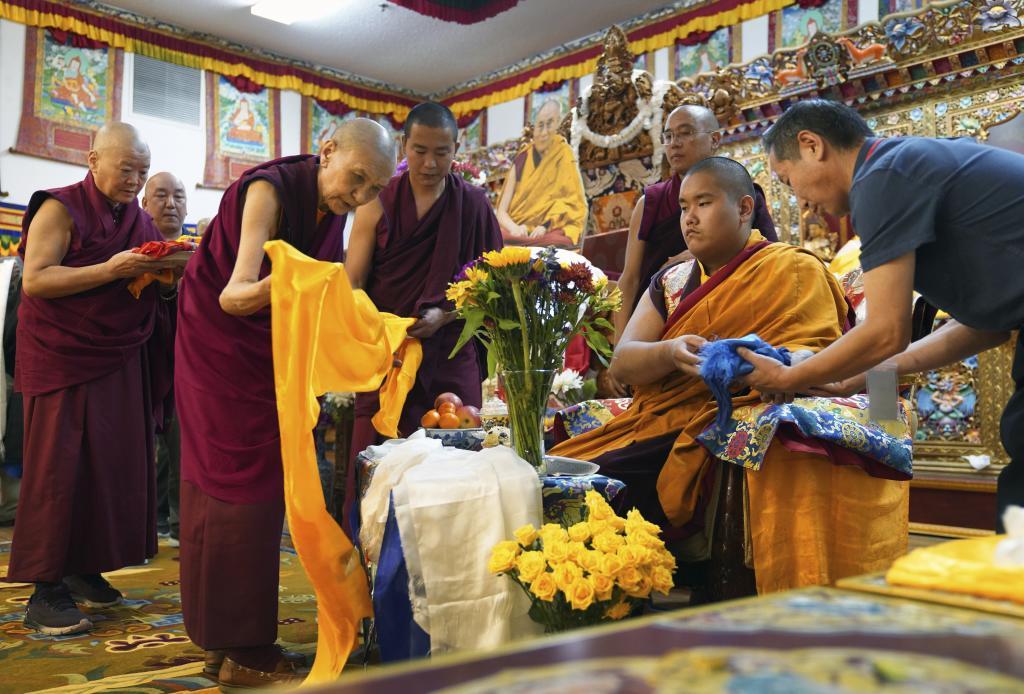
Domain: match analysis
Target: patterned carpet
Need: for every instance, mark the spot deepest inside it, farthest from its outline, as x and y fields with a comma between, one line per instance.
x=140, y=646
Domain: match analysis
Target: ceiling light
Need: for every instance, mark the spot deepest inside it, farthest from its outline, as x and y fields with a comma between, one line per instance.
x=289, y=11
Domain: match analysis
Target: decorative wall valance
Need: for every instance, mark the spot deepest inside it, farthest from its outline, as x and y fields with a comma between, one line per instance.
x=649, y=37
x=161, y=43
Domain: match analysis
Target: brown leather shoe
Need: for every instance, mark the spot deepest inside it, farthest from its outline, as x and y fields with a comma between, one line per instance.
x=215, y=659
x=233, y=676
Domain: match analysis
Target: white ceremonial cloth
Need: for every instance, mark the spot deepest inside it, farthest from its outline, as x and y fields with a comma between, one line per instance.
x=451, y=510
x=397, y=458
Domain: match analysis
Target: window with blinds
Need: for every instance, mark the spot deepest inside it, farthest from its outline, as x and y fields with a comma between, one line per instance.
x=165, y=90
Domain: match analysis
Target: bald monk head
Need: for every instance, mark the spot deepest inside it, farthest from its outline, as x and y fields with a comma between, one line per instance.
x=545, y=124
x=717, y=202
x=691, y=133
x=165, y=201
x=355, y=165
x=119, y=162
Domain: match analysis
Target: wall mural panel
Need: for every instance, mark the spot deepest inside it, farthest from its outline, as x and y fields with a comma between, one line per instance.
x=242, y=130
x=72, y=87
x=318, y=124
x=713, y=54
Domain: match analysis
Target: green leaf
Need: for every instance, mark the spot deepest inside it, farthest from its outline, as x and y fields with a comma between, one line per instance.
x=474, y=319
x=603, y=323
x=491, y=296
x=589, y=390
x=506, y=324
x=492, y=361
x=599, y=343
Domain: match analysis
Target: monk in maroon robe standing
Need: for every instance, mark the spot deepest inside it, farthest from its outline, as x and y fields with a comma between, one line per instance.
x=232, y=496
x=88, y=493
x=405, y=248
x=655, y=238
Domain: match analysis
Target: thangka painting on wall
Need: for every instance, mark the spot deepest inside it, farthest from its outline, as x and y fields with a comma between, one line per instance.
x=241, y=130
x=703, y=57
x=473, y=136
x=72, y=87
x=798, y=25
x=319, y=124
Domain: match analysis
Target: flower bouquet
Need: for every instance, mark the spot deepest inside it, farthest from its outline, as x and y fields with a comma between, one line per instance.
x=595, y=571
x=524, y=305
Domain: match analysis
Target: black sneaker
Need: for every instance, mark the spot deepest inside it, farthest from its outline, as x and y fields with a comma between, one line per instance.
x=92, y=590
x=52, y=611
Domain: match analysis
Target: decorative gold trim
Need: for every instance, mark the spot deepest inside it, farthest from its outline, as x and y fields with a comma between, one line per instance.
x=982, y=486
x=952, y=531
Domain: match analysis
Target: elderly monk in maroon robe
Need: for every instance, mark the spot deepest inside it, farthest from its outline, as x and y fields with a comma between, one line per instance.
x=88, y=492
x=232, y=496
x=405, y=249
x=655, y=238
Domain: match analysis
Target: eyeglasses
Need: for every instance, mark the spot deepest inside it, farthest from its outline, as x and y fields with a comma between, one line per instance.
x=670, y=136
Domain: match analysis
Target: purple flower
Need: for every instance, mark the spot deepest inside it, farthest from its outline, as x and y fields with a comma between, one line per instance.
x=901, y=30
x=996, y=15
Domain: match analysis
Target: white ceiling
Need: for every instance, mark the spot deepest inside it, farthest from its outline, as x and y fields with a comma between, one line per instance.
x=398, y=46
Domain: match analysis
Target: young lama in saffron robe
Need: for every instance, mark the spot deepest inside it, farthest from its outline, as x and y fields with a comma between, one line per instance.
x=661, y=233
x=816, y=512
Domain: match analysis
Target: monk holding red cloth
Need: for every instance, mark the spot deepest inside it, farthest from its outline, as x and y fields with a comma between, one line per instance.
x=88, y=494
x=232, y=496
x=406, y=247
x=655, y=233
x=824, y=492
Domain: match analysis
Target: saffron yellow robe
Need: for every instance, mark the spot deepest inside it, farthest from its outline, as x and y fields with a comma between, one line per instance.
x=811, y=522
x=550, y=193
x=328, y=337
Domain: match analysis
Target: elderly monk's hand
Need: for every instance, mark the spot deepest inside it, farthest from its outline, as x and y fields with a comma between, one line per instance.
x=430, y=321
x=685, y=255
x=129, y=265
x=684, y=351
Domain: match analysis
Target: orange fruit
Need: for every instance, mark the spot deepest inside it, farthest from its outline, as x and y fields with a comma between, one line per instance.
x=449, y=420
x=430, y=420
x=446, y=407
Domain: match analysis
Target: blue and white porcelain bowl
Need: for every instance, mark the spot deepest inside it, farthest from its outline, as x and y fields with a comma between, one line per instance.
x=466, y=439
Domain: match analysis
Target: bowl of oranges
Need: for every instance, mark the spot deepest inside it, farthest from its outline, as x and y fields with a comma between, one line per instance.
x=454, y=423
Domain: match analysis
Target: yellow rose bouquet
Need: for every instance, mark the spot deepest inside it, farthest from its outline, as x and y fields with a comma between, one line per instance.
x=594, y=571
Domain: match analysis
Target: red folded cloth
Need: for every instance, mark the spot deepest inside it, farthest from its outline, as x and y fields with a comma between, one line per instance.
x=157, y=249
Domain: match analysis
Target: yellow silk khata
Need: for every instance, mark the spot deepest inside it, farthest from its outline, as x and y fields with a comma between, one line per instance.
x=810, y=521
x=960, y=566
x=329, y=337
x=550, y=193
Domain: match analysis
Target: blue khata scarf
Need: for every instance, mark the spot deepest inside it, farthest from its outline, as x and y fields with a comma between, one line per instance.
x=721, y=365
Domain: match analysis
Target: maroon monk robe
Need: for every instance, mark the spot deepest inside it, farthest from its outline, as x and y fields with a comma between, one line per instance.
x=230, y=445
x=662, y=235
x=88, y=492
x=413, y=263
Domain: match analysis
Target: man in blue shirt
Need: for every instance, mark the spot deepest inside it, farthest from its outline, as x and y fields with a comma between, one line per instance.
x=942, y=217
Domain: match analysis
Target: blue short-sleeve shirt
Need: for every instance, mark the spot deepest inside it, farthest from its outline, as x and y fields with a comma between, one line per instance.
x=959, y=206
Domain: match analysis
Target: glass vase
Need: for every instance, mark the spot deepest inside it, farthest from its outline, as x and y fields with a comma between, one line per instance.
x=526, y=394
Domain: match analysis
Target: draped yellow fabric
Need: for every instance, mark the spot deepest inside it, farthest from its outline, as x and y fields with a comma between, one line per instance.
x=551, y=193
x=960, y=566
x=328, y=337
x=812, y=522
